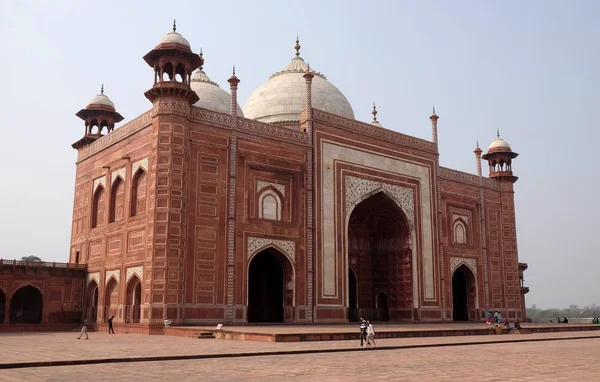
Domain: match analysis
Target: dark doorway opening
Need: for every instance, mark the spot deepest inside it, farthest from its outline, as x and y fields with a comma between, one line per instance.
x=382, y=307
x=134, y=299
x=379, y=249
x=266, y=288
x=352, y=297
x=26, y=306
x=2, y=305
x=460, y=296
x=92, y=313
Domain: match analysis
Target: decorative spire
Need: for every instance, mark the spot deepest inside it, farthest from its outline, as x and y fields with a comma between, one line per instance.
x=102, y=89
x=233, y=80
x=174, y=26
x=234, y=70
x=498, y=133
x=374, y=112
x=297, y=47
x=477, y=150
x=201, y=60
x=434, y=110
x=477, y=143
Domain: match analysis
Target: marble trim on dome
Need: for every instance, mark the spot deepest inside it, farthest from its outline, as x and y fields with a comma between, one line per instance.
x=99, y=181
x=143, y=163
x=262, y=184
x=287, y=247
x=120, y=172
x=139, y=271
x=114, y=272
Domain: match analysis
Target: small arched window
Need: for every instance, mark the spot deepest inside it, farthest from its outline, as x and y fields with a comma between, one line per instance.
x=138, y=193
x=269, y=205
x=460, y=232
x=117, y=199
x=98, y=207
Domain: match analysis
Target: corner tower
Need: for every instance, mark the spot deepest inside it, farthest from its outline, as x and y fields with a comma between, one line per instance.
x=100, y=113
x=171, y=95
x=499, y=157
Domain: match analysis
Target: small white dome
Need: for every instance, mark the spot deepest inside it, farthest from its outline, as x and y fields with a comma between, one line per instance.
x=212, y=97
x=499, y=143
x=101, y=99
x=174, y=37
x=283, y=96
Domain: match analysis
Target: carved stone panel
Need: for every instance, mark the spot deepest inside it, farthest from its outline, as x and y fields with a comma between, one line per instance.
x=100, y=181
x=94, y=276
x=456, y=262
x=288, y=247
x=114, y=272
x=120, y=172
x=262, y=184
x=139, y=271
x=143, y=163
x=356, y=188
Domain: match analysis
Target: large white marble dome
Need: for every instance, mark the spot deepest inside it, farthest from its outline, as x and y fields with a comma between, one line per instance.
x=283, y=96
x=212, y=97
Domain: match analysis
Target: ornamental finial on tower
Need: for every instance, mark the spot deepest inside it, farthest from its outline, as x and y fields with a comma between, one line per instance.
x=102, y=89
x=497, y=133
x=374, y=112
x=234, y=70
x=477, y=150
x=297, y=47
x=174, y=26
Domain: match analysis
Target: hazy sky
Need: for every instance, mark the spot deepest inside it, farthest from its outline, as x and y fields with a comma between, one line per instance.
x=529, y=68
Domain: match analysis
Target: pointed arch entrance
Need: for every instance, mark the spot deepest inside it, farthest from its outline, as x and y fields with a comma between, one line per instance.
x=92, y=298
x=26, y=306
x=134, y=299
x=464, y=294
x=111, y=299
x=270, y=287
x=2, y=305
x=379, y=253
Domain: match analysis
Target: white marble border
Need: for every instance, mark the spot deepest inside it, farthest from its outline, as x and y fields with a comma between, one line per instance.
x=287, y=247
x=139, y=271
x=262, y=184
x=114, y=272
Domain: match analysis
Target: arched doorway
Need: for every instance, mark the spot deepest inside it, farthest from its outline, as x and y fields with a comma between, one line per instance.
x=270, y=287
x=2, y=305
x=92, y=298
x=352, y=297
x=379, y=249
x=111, y=299
x=463, y=294
x=26, y=306
x=382, y=307
x=134, y=299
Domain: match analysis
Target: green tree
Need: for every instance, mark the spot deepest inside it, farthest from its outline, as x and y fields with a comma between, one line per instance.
x=30, y=258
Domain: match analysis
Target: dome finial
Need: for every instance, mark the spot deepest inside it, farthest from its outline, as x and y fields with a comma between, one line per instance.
x=297, y=47
x=498, y=133
x=434, y=110
x=102, y=89
x=374, y=112
x=477, y=141
x=174, y=26
x=234, y=70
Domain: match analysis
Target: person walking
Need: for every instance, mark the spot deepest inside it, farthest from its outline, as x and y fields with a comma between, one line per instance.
x=111, y=330
x=370, y=334
x=83, y=331
x=363, y=330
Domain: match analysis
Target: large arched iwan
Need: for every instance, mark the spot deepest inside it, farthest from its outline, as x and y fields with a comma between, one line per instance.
x=270, y=287
x=379, y=253
x=92, y=301
x=134, y=300
x=26, y=306
x=464, y=294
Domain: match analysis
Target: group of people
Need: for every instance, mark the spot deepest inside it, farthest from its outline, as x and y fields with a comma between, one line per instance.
x=367, y=333
x=496, y=318
x=84, y=331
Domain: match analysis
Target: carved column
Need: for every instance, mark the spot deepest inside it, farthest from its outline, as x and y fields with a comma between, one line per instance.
x=308, y=76
x=231, y=210
x=486, y=294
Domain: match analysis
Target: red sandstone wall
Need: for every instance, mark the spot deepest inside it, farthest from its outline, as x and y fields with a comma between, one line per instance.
x=61, y=289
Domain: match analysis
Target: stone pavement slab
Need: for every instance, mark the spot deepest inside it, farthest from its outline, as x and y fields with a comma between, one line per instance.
x=52, y=347
x=567, y=360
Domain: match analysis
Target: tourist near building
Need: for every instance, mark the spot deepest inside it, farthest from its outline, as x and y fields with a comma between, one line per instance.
x=286, y=210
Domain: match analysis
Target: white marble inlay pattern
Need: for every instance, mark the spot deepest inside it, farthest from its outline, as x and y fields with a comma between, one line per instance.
x=143, y=163
x=120, y=172
x=356, y=188
x=456, y=262
x=139, y=271
x=288, y=247
x=262, y=184
x=94, y=276
x=114, y=272
x=100, y=181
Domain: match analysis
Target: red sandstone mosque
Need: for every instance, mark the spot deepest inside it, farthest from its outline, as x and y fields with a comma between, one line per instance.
x=286, y=210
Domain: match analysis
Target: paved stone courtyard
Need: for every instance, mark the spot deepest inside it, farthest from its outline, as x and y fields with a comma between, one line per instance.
x=568, y=360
